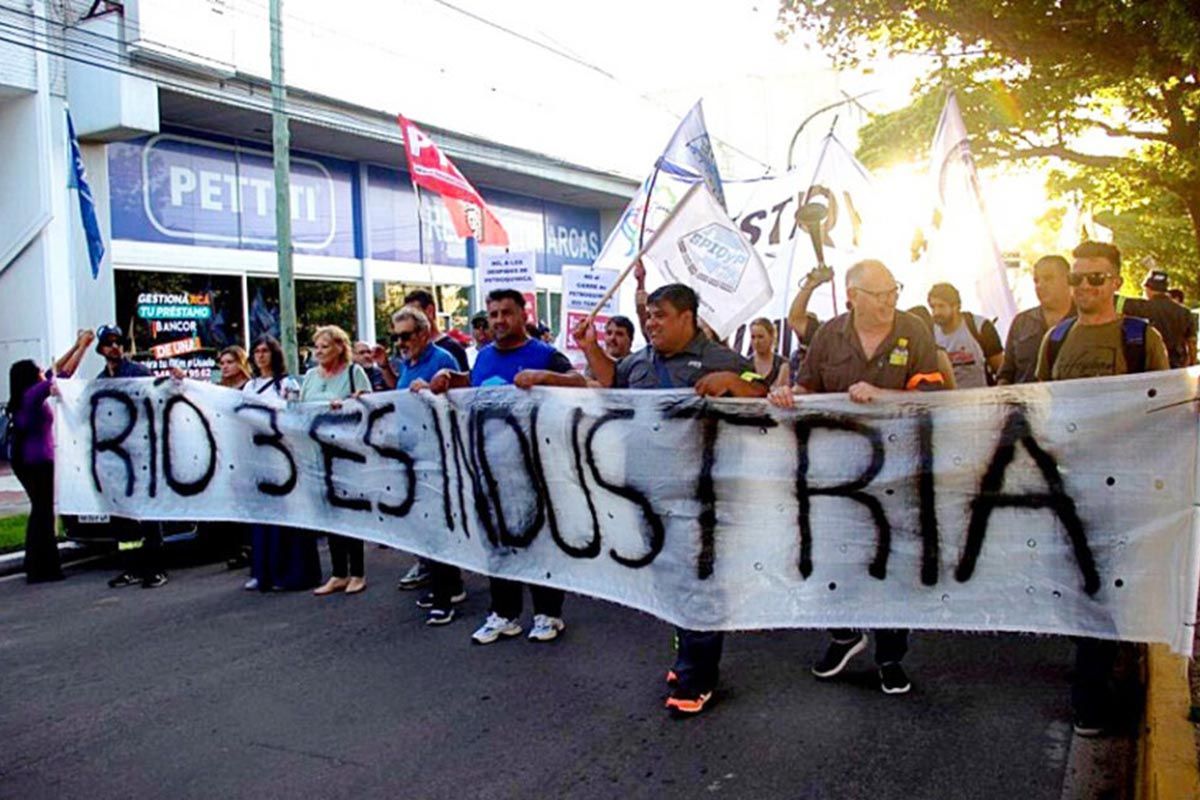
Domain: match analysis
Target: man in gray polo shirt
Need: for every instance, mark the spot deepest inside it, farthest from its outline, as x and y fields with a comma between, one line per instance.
x=679, y=355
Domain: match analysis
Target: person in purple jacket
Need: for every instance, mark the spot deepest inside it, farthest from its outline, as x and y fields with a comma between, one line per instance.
x=33, y=454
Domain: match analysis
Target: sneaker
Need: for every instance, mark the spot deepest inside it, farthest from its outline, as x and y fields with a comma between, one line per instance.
x=546, y=629
x=416, y=577
x=838, y=656
x=440, y=616
x=494, y=627
x=426, y=600
x=672, y=678
x=251, y=585
x=682, y=704
x=892, y=679
x=154, y=581
x=1088, y=726
x=124, y=579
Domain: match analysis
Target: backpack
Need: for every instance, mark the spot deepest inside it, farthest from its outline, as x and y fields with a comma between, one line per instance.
x=8, y=437
x=973, y=329
x=1133, y=341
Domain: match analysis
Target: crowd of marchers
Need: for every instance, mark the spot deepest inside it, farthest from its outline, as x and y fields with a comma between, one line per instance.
x=1081, y=328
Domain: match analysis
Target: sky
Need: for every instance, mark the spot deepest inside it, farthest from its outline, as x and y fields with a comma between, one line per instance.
x=597, y=84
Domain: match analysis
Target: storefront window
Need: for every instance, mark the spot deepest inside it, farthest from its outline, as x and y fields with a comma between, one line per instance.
x=453, y=302
x=317, y=303
x=179, y=319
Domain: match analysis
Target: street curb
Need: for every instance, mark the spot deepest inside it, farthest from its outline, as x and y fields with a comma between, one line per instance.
x=14, y=562
x=1167, y=768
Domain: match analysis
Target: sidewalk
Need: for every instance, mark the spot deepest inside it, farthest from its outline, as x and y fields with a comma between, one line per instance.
x=12, y=496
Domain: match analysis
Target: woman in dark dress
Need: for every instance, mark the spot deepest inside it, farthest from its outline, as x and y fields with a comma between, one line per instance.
x=33, y=454
x=280, y=558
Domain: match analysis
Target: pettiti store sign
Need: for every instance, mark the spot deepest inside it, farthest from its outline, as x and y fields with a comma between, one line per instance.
x=180, y=189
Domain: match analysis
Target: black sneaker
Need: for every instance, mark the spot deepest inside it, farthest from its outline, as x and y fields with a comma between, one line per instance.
x=440, y=616
x=838, y=656
x=892, y=679
x=124, y=579
x=154, y=581
x=426, y=600
x=681, y=704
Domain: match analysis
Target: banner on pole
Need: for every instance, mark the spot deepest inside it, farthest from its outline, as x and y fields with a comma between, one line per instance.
x=1011, y=509
x=503, y=270
x=699, y=246
x=582, y=289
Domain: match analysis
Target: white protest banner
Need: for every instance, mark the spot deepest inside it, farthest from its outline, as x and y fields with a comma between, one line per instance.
x=961, y=248
x=583, y=288
x=769, y=219
x=1065, y=508
x=503, y=270
x=700, y=246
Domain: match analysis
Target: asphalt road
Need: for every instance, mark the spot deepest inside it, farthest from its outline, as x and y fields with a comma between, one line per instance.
x=201, y=690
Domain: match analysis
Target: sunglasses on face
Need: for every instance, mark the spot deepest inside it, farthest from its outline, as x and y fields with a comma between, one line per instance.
x=1093, y=278
x=403, y=336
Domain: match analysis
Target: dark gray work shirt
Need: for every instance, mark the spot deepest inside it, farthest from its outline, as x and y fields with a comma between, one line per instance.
x=700, y=357
x=1021, y=350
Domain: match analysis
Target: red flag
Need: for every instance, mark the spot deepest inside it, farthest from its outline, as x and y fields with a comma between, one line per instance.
x=430, y=168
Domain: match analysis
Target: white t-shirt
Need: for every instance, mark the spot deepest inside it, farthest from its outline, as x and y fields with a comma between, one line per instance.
x=270, y=387
x=966, y=354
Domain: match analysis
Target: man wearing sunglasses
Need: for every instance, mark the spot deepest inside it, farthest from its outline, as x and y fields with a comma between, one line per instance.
x=1098, y=341
x=1095, y=343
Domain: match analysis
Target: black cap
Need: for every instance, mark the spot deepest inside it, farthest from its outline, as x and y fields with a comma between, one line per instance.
x=1157, y=281
x=108, y=332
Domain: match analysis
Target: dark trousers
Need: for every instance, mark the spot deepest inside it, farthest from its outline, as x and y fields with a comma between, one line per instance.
x=145, y=560
x=890, y=645
x=1094, y=661
x=698, y=659
x=41, y=545
x=508, y=597
x=283, y=558
x=445, y=582
x=346, y=556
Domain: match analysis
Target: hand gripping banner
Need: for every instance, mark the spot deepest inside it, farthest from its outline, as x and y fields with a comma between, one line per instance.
x=1064, y=508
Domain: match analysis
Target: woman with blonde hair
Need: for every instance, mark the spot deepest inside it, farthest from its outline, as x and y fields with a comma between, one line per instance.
x=234, y=367
x=335, y=378
x=766, y=361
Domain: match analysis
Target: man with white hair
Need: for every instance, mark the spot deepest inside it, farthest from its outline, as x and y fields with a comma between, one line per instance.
x=871, y=352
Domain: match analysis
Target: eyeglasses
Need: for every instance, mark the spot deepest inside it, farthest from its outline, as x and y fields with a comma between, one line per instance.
x=1093, y=278
x=111, y=343
x=403, y=336
x=885, y=294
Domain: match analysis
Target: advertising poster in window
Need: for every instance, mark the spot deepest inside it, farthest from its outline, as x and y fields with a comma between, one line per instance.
x=179, y=320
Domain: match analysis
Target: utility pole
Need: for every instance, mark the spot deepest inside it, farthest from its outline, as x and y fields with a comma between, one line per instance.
x=281, y=142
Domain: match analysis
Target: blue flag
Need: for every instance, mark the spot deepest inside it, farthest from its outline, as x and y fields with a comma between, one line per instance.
x=87, y=206
x=689, y=154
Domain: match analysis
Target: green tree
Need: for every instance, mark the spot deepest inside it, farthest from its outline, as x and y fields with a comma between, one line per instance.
x=1106, y=91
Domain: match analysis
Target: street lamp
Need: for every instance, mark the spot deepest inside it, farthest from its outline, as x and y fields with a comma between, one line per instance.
x=847, y=99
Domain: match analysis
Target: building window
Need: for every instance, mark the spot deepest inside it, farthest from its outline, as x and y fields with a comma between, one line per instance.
x=317, y=303
x=453, y=303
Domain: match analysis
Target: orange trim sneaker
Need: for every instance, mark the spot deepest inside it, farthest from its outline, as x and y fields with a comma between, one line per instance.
x=672, y=678
x=681, y=704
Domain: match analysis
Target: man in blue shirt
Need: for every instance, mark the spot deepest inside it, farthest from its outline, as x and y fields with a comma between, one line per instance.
x=514, y=359
x=419, y=357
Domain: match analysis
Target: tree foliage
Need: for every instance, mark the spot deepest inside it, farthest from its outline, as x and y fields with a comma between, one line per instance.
x=1105, y=90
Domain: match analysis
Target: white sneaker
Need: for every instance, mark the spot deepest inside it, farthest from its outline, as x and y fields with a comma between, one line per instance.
x=494, y=627
x=546, y=628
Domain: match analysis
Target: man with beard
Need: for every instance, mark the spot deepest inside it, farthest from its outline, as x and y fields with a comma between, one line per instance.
x=970, y=340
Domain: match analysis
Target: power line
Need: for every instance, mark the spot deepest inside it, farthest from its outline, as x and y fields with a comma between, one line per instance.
x=321, y=30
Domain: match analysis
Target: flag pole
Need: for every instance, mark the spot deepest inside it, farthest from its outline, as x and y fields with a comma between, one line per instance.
x=637, y=258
